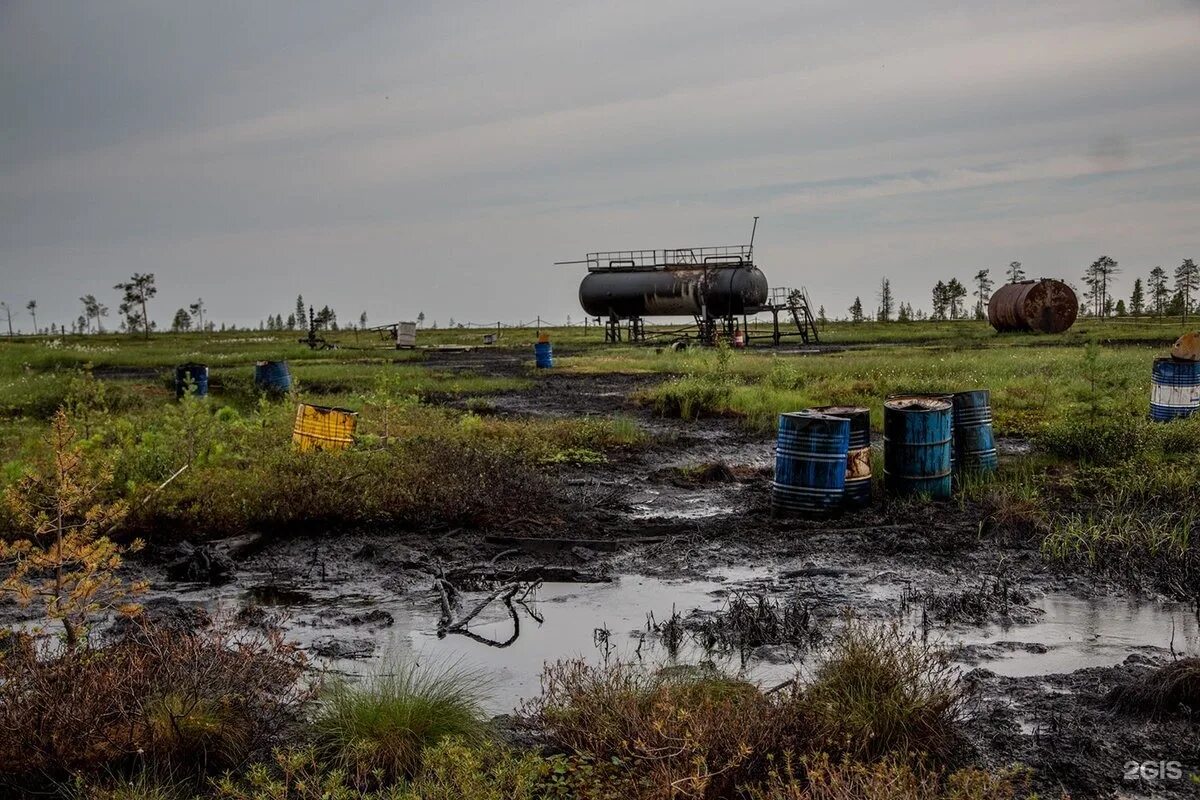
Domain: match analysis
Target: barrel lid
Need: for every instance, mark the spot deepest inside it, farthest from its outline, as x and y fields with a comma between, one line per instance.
x=917, y=403
x=837, y=411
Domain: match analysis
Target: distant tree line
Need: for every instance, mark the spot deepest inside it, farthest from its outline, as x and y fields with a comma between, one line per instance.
x=1160, y=295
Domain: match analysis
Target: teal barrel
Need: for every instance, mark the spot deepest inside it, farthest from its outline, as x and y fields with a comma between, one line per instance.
x=974, y=441
x=858, y=454
x=196, y=375
x=810, y=464
x=1174, y=389
x=917, y=432
x=543, y=355
x=273, y=377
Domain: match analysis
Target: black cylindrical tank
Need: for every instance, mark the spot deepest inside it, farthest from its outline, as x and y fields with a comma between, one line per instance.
x=720, y=291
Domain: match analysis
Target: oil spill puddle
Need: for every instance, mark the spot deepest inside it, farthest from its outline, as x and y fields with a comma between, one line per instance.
x=351, y=628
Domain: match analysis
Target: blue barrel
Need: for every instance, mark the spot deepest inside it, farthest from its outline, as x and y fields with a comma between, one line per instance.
x=858, y=453
x=195, y=374
x=273, y=377
x=810, y=464
x=1174, y=389
x=917, y=432
x=974, y=441
x=543, y=354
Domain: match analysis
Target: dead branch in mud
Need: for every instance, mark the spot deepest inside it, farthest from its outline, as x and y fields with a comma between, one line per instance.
x=508, y=594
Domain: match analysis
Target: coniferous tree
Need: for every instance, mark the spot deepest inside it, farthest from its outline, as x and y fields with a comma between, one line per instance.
x=983, y=292
x=886, y=302
x=955, y=294
x=856, y=310
x=941, y=300
x=1015, y=273
x=1187, y=282
x=1137, y=298
x=182, y=321
x=137, y=292
x=1158, y=290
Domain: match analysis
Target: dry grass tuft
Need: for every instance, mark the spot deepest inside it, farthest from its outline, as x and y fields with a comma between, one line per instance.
x=1171, y=689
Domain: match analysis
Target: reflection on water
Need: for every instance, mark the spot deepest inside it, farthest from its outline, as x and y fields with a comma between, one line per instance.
x=609, y=620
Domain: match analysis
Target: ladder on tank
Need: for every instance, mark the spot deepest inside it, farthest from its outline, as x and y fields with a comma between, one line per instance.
x=794, y=302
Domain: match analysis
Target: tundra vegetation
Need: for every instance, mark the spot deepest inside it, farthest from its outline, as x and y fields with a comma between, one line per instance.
x=92, y=444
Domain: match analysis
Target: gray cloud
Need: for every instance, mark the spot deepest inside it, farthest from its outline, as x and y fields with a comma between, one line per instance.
x=439, y=157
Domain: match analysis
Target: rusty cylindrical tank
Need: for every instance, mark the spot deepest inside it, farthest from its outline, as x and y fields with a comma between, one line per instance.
x=721, y=291
x=1045, y=306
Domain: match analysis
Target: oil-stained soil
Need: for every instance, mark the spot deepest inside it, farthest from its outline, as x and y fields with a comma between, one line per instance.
x=653, y=552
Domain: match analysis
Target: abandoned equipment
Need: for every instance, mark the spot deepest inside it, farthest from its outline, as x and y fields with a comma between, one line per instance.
x=1044, y=306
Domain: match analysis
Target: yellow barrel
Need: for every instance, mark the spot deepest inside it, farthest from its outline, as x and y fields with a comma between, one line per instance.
x=323, y=428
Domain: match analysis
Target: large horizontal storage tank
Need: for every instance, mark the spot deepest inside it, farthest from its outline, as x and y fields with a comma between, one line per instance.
x=1045, y=306
x=719, y=291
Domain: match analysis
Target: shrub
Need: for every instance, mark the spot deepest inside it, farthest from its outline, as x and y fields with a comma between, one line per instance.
x=377, y=729
x=189, y=700
x=884, y=780
x=1096, y=440
x=691, y=733
x=882, y=692
x=453, y=770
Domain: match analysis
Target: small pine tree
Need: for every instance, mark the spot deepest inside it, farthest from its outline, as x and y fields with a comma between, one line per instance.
x=1015, y=273
x=856, y=310
x=886, y=301
x=65, y=559
x=1137, y=299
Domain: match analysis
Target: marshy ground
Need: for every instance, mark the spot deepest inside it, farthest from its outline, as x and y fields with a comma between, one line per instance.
x=625, y=494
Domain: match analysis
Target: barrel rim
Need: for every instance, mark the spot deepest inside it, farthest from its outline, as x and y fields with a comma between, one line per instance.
x=327, y=409
x=937, y=403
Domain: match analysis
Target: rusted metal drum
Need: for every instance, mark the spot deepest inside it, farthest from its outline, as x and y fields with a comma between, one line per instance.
x=1187, y=347
x=917, y=432
x=810, y=464
x=1045, y=306
x=858, y=453
x=1174, y=389
x=323, y=428
x=974, y=441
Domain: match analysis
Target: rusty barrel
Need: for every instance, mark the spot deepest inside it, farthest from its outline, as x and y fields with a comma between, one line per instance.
x=974, y=442
x=858, y=453
x=323, y=428
x=1174, y=389
x=1043, y=306
x=917, y=432
x=810, y=464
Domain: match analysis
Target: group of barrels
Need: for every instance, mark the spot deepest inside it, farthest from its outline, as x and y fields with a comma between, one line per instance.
x=823, y=454
x=316, y=427
x=272, y=377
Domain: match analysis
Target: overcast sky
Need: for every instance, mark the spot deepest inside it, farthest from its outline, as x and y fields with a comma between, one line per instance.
x=400, y=157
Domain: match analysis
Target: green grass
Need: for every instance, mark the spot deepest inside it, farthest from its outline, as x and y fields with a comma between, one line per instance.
x=1030, y=386
x=378, y=728
x=882, y=692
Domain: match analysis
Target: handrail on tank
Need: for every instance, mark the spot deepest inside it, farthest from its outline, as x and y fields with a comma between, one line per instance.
x=734, y=255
